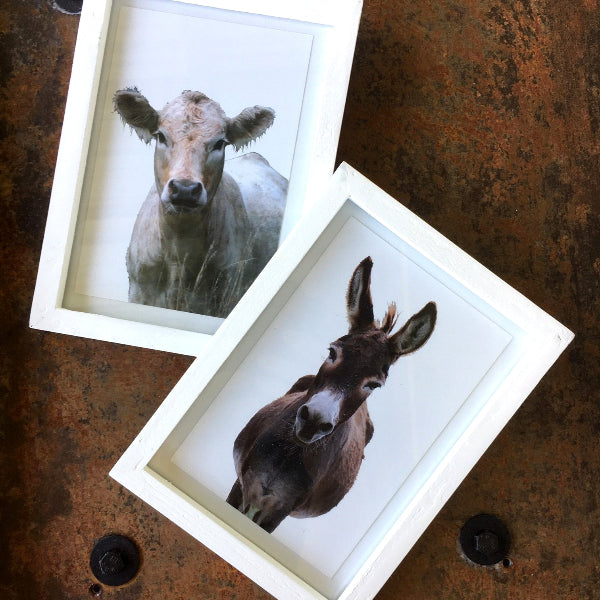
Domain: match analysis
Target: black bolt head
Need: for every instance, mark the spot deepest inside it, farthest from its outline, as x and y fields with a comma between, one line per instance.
x=114, y=560
x=485, y=540
x=72, y=7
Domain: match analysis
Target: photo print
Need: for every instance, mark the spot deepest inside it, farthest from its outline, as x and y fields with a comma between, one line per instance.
x=187, y=220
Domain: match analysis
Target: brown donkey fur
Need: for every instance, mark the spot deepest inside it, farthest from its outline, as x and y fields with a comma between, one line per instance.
x=300, y=454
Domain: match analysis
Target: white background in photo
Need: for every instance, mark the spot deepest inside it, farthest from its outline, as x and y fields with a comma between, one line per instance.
x=164, y=53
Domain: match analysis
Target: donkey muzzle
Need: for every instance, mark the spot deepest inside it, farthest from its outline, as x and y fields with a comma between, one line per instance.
x=317, y=418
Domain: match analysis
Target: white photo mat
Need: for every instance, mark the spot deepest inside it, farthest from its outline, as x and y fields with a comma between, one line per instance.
x=295, y=59
x=439, y=410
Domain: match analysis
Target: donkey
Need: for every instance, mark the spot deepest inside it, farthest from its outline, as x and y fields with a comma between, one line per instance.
x=204, y=231
x=300, y=455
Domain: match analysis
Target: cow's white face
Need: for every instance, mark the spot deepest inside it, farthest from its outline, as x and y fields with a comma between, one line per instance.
x=190, y=152
x=191, y=134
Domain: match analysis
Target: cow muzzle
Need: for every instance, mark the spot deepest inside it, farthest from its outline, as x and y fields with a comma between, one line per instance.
x=185, y=195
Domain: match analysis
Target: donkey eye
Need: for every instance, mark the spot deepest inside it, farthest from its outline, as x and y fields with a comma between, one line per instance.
x=332, y=354
x=160, y=137
x=373, y=385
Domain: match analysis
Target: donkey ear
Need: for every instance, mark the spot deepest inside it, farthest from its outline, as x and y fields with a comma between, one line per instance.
x=358, y=298
x=136, y=111
x=249, y=125
x=415, y=332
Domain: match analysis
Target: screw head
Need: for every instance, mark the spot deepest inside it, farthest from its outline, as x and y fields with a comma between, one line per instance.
x=71, y=7
x=485, y=540
x=114, y=560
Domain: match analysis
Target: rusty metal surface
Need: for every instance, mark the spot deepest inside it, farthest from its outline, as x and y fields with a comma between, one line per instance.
x=483, y=118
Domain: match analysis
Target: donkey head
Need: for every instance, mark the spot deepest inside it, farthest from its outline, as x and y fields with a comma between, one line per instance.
x=358, y=362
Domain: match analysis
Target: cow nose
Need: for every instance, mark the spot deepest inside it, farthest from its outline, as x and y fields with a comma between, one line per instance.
x=184, y=191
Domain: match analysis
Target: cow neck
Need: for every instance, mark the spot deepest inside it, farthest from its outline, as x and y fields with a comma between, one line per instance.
x=187, y=224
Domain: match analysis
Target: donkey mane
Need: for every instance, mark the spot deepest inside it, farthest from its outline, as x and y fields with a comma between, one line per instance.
x=389, y=319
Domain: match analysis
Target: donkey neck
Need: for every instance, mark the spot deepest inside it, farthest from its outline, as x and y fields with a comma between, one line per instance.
x=319, y=456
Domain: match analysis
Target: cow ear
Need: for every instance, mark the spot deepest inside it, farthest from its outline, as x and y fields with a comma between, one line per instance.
x=136, y=111
x=249, y=125
x=358, y=299
x=415, y=332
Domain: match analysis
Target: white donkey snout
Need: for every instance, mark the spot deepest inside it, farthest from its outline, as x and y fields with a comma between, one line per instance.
x=318, y=417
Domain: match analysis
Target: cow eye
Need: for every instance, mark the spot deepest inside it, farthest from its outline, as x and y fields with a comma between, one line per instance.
x=332, y=354
x=372, y=385
x=220, y=144
x=160, y=137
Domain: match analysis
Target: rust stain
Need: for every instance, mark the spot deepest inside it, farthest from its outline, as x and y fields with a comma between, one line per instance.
x=482, y=116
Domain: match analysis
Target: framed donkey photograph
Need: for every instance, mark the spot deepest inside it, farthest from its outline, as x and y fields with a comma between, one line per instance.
x=195, y=135
x=343, y=401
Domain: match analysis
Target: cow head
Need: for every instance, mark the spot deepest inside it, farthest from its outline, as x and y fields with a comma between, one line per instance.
x=358, y=362
x=191, y=134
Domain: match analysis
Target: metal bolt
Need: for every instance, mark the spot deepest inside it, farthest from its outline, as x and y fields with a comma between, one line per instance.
x=112, y=563
x=71, y=7
x=487, y=542
x=114, y=560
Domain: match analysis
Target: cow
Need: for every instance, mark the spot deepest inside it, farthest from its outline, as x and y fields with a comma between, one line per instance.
x=207, y=226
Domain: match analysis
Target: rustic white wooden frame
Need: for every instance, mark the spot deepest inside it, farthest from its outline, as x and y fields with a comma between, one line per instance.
x=145, y=468
x=320, y=125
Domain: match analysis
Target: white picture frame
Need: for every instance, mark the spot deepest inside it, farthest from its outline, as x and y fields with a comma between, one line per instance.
x=488, y=350
x=304, y=70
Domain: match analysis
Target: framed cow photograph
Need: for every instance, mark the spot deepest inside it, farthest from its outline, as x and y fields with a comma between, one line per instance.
x=195, y=135
x=343, y=401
